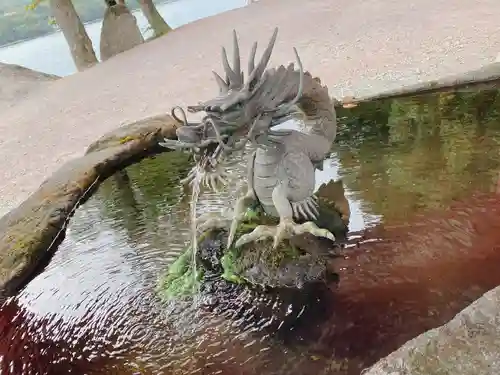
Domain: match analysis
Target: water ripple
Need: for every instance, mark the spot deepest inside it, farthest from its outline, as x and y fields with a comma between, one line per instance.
x=424, y=241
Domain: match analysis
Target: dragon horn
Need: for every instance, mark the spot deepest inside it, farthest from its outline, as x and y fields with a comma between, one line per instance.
x=251, y=60
x=233, y=74
x=223, y=86
x=259, y=70
x=236, y=58
x=230, y=74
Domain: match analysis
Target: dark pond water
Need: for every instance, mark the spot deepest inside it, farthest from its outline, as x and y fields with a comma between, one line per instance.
x=423, y=179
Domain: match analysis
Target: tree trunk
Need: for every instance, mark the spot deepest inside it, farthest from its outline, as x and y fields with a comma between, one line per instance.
x=76, y=36
x=119, y=31
x=154, y=18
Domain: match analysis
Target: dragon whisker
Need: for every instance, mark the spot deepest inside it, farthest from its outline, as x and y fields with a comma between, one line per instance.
x=178, y=145
x=183, y=113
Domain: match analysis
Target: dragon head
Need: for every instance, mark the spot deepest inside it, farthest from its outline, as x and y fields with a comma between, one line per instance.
x=243, y=111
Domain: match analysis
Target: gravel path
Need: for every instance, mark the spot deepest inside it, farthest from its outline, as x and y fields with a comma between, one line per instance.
x=361, y=46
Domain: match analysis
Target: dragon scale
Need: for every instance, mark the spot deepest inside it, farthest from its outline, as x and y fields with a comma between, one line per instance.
x=313, y=145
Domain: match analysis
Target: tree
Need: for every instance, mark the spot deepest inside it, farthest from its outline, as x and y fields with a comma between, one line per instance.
x=119, y=31
x=156, y=21
x=74, y=32
x=79, y=43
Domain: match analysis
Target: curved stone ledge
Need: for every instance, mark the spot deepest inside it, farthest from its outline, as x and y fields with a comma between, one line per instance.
x=469, y=344
x=17, y=82
x=486, y=76
x=30, y=234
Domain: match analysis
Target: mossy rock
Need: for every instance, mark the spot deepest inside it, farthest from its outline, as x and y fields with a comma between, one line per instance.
x=274, y=290
x=298, y=262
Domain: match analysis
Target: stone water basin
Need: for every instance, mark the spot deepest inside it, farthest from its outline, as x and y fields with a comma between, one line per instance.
x=422, y=176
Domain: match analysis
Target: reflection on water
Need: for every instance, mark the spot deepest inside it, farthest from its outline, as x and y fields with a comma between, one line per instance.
x=422, y=177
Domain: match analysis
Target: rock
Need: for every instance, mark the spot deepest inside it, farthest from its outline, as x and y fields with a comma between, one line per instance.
x=119, y=31
x=29, y=234
x=17, y=82
x=298, y=262
x=348, y=102
x=258, y=285
x=259, y=266
x=148, y=131
x=469, y=344
x=294, y=292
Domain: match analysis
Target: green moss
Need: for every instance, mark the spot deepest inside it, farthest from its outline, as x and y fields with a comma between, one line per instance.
x=231, y=260
x=180, y=280
x=126, y=139
x=229, y=265
x=236, y=260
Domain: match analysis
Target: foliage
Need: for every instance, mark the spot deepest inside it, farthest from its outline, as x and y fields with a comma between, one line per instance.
x=408, y=155
x=26, y=19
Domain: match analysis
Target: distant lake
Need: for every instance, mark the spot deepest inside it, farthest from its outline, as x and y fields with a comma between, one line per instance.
x=50, y=54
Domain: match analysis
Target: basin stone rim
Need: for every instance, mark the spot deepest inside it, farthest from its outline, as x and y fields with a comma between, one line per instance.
x=31, y=233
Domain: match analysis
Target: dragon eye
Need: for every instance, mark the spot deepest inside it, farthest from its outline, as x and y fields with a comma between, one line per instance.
x=213, y=108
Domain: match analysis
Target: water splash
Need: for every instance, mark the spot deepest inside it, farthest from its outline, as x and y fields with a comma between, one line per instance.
x=195, y=193
x=195, y=178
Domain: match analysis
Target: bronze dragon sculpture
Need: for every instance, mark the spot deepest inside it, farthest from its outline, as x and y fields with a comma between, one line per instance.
x=281, y=169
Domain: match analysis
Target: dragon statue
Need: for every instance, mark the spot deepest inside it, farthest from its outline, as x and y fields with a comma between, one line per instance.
x=281, y=169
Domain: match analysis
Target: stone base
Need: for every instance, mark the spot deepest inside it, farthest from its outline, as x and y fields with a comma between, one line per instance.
x=268, y=291
x=275, y=287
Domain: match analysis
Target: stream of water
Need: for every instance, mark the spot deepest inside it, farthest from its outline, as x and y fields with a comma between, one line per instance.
x=422, y=176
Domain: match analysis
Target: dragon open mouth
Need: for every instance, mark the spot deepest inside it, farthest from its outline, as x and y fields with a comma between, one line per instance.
x=209, y=168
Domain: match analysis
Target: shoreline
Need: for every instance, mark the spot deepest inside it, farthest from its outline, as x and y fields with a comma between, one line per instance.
x=57, y=29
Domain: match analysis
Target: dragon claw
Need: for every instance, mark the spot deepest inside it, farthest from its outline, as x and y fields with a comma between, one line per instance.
x=234, y=226
x=285, y=229
x=211, y=223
